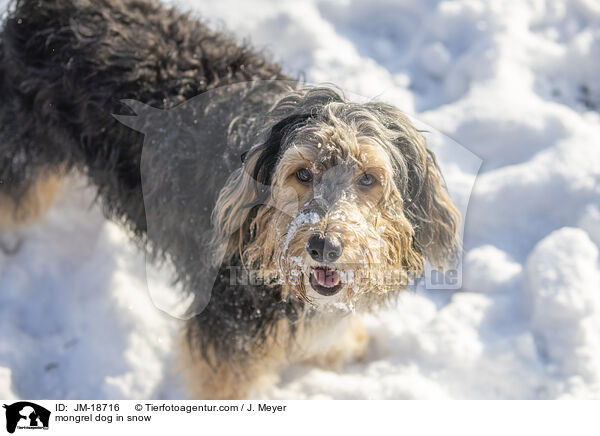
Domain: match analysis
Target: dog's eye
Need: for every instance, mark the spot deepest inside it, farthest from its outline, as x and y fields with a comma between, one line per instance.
x=367, y=180
x=304, y=175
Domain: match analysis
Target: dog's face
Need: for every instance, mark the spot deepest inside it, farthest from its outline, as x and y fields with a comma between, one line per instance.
x=347, y=201
x=334, y=216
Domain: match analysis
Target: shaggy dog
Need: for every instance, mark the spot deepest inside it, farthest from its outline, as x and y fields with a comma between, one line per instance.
x=283, y=208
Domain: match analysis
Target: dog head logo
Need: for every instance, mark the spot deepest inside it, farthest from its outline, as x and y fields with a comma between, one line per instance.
x=26, y=415
x=333, y=202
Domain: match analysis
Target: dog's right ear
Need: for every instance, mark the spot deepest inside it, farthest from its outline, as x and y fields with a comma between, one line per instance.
x=248, y=189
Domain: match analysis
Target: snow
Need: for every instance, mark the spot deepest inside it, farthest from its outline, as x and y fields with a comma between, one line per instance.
x=514, y=83
x=563, y=312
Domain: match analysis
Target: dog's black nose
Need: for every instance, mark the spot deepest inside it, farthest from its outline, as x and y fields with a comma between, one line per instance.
x=324, y=248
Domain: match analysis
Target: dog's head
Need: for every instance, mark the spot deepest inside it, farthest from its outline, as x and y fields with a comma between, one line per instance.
x=339, y=201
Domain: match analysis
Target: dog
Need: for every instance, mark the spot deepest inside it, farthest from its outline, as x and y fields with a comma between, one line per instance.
x=318, y=199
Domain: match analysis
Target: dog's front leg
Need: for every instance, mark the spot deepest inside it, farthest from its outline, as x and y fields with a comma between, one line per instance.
x=231, y=379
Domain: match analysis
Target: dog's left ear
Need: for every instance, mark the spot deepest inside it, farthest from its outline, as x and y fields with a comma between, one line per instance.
x=270, y=151
x=426, y=203
x=434, y=217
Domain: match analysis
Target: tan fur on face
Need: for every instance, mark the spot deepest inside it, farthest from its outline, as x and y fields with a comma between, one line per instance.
x=33, y=204
x=391, y=227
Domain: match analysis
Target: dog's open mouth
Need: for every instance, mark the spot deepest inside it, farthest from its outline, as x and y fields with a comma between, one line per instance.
x=325, y=281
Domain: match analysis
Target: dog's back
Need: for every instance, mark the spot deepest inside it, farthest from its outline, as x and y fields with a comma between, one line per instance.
x=66, y=65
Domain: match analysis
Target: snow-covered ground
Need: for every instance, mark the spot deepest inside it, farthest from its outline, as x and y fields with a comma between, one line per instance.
x=516, y=83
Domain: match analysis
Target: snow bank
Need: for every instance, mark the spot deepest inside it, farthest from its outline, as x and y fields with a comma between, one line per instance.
x=563, y=298
x=513, y=82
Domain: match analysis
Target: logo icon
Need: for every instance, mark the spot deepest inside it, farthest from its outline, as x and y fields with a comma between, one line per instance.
x=26, y=415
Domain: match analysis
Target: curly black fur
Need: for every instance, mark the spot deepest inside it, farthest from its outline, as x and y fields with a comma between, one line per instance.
x=65, y=68
x=67, y=64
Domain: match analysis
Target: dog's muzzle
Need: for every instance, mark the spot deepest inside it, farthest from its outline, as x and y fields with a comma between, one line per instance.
x=325, y=249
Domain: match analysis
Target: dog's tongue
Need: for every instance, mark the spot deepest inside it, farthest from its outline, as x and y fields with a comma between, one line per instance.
x=327, y=277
